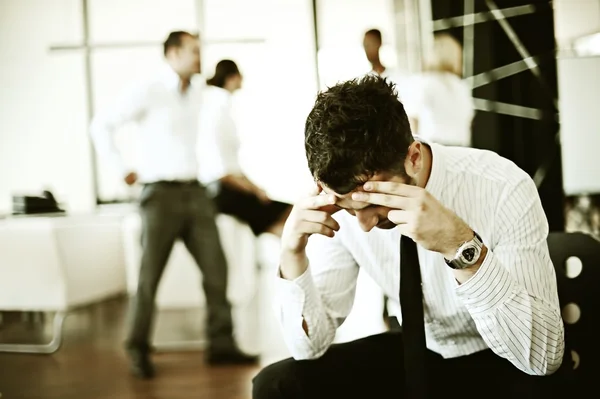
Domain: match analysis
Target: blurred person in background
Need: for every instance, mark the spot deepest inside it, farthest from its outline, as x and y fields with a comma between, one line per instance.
x=438, y=102
x=233, y=192
x=372, y=43
x=173, y=204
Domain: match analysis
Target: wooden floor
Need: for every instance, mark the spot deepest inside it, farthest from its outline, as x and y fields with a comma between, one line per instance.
x=92, y=365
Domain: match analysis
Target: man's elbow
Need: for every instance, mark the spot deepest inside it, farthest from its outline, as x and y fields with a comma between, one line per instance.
x=555, y=361
x=552, y=362
x=310, y=348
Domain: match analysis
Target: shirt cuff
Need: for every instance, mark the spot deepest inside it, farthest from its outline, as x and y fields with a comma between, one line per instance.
x=297, y=299
x=490, y=287
x=292, y=293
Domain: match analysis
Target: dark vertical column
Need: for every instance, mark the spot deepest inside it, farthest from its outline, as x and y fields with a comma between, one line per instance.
x=531, y=142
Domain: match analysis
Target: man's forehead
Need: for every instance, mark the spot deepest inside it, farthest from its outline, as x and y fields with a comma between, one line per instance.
x=345, y=201
x=327, y=190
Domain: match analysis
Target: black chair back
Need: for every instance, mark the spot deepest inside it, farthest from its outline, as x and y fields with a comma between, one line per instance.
x=579, y=296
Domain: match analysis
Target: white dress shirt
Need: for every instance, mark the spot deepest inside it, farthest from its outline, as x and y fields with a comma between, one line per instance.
x=510, y=305
x=168, y=128
x=442, y=104
x=218, y=143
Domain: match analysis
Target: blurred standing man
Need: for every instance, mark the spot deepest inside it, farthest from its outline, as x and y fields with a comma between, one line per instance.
x=372, y=44
x=173, y=204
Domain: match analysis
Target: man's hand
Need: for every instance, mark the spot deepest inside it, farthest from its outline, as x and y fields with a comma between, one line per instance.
x=131, y=178
x=418, y=215
x=311, y=215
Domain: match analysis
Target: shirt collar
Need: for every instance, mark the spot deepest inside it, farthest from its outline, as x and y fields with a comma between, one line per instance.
x=437, y=176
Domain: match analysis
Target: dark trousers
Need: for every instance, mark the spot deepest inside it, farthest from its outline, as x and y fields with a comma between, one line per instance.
x=171, y=211
x=373, y=367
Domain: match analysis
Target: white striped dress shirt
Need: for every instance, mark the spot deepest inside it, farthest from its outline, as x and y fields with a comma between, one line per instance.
x=510, y=305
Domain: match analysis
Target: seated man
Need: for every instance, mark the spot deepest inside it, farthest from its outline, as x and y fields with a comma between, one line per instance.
x=464, y=228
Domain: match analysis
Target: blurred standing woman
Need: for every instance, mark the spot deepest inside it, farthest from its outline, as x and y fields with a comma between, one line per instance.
x=438, y=102
x=234, y=193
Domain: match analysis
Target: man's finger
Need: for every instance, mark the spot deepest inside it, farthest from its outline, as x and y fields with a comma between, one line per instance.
x=317, y=201
x=388, y=187
x=321, y=217
x=315, y=190
x=397, y=216
x=307, y=227
x=387, y=200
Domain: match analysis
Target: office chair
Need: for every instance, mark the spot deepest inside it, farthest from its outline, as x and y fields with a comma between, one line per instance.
x=576, y=258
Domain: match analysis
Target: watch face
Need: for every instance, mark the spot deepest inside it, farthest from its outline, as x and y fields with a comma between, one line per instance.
x=469, y=254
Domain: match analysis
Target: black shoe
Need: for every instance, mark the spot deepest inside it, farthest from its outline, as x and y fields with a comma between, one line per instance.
x=140, y=365
x=231, y=356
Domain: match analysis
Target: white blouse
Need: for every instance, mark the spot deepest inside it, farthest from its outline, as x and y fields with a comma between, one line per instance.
x=218, y=141
x=442, y=104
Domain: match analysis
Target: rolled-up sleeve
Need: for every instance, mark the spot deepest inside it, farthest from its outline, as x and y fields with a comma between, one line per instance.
x=322, y=298
x=513, y=297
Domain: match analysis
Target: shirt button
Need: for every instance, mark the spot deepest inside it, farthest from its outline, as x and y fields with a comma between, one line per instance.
x=452, y=342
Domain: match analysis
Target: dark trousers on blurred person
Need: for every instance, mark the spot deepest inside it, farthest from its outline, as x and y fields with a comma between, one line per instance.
x=171, y=211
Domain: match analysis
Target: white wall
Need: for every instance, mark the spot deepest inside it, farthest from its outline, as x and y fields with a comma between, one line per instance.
x=43, y=120
x=575, y=18
x=580, y=122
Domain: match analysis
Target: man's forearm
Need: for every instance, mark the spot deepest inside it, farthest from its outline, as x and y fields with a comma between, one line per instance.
x=293, y=265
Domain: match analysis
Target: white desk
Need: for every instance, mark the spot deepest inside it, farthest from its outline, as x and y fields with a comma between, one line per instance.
x=55, y=263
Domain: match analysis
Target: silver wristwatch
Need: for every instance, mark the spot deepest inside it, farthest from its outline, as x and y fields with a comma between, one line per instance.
x=468, y=254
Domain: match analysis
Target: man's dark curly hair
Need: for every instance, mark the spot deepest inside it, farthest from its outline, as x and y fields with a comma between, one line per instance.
x=356, y=129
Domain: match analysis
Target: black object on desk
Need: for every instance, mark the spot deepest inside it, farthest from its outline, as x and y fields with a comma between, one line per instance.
x=28, y=205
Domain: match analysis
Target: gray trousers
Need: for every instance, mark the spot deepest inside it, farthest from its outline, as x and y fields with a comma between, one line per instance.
x=171, y=211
